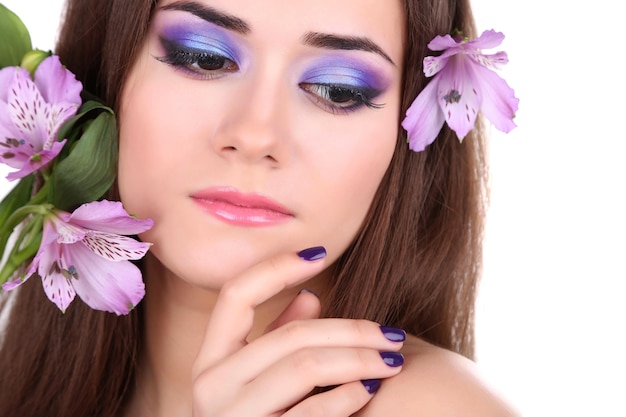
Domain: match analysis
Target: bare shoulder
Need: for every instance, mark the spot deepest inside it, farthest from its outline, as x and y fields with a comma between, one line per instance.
x=436, y=383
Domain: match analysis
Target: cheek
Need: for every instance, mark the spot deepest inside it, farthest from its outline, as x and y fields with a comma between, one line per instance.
x=348, y=176
x=148, y=151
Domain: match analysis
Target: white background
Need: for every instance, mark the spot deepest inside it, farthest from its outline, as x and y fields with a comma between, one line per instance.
x=550, y=317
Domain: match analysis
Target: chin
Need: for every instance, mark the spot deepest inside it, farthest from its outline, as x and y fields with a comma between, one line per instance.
x=208, y=266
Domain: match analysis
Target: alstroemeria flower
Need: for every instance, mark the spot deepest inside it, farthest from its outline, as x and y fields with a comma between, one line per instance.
x=464, y=83
x=31, y=113
x=85, y=253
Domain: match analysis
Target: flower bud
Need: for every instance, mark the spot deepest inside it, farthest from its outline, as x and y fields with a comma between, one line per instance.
x=32, y=59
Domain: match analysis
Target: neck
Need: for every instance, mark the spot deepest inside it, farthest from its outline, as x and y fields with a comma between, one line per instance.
x=176, y=317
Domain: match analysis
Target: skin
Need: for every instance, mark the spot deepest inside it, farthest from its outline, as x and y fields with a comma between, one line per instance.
x=256, y=130
x=228, y=330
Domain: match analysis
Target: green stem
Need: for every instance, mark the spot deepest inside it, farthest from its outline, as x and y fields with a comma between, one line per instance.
x=42, y=195
x=17, y=217
x=25, y=248
x=29, y=238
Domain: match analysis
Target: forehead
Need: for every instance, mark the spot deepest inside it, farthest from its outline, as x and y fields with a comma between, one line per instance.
x=282, y=21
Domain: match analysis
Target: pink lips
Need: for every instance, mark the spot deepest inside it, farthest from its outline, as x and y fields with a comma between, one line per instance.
x=231, y=206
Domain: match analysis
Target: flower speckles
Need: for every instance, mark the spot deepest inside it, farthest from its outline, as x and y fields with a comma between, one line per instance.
x=452, y=97
x=463, y=84
x=85, y=253
x=63, y=153
x=31, y=113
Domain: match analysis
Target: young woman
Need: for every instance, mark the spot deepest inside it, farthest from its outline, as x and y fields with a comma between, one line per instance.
x=296, y=237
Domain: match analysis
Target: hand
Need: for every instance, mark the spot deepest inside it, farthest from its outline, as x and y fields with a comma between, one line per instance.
x=272, y=375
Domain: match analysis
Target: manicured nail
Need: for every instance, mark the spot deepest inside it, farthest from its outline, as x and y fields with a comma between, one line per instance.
x=312, y=254
x=393, y=334
x=371, y=385
x=393, y=359
x=307, y=291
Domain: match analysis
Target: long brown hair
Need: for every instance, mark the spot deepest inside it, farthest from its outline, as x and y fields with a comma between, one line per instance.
x=414, y=264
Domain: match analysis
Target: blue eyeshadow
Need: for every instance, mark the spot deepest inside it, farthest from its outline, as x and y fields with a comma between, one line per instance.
x=344, y=71
x=201, y=38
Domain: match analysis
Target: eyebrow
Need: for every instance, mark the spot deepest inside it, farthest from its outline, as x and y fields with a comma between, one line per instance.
x=315, y=39
x=337, y=42
x=210, y=15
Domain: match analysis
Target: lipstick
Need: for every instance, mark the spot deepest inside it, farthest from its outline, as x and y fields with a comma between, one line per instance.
x=241, y=209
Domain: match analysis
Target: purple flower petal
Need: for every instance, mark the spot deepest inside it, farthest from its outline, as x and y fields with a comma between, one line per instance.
x=56, y=84
x=115, y=247
x=109, y=216
x=434, y=64
x=6, y=79
x=32, y=112
x=73, y=259
x=499, y=103
x=31, y=162
x=11, y=285
x=487, y=40
x=58, y=288
x=104, y=285
x=61, y=90
x=458, y=95
x=423, y=119
x=7, y=129
x=465, y=84
x=49, y=258
x=440, y=43
x=494, y=61
x=28, y=110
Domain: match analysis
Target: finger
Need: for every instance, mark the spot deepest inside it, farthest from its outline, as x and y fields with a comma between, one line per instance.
x=264, y=352
x=233, y=315
x=291, y=379
x=306, y=305
x=342, y=401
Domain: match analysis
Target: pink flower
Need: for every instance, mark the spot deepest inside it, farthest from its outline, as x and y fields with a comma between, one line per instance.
x=84, y=253
x=464, y=83
x=31, y=113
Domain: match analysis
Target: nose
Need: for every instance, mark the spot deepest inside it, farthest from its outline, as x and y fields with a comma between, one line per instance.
x=254, y=129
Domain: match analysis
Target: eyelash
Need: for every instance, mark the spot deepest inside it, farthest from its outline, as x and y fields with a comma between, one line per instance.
x=192, y=63
x=350, y=97
x=334, y=98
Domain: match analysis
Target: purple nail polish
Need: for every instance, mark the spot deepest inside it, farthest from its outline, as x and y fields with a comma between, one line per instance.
x=371, y=385
x=312, y=254
x=307, y=291
x=393, y=359
x=393, y=334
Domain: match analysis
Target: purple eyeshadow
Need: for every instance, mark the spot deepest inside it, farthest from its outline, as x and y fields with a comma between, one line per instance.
x=201, y=37
x=345, y=71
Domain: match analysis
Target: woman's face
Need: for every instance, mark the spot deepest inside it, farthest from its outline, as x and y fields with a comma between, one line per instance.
x=250, y=128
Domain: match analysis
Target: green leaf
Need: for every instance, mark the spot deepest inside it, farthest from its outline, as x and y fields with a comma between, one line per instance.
x=65, y=132
x=91, y=166
x=15, y=39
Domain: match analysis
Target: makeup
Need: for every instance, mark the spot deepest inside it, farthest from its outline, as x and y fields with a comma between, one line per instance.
x=198, y=47
x=233, y=207
x=207, y=45
x=344, y=83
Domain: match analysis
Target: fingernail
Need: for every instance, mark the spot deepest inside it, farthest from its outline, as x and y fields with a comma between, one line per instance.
x=312, y=254
x=393, y=359
x=371, y=385
x=393, y=334
x=306, y=290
